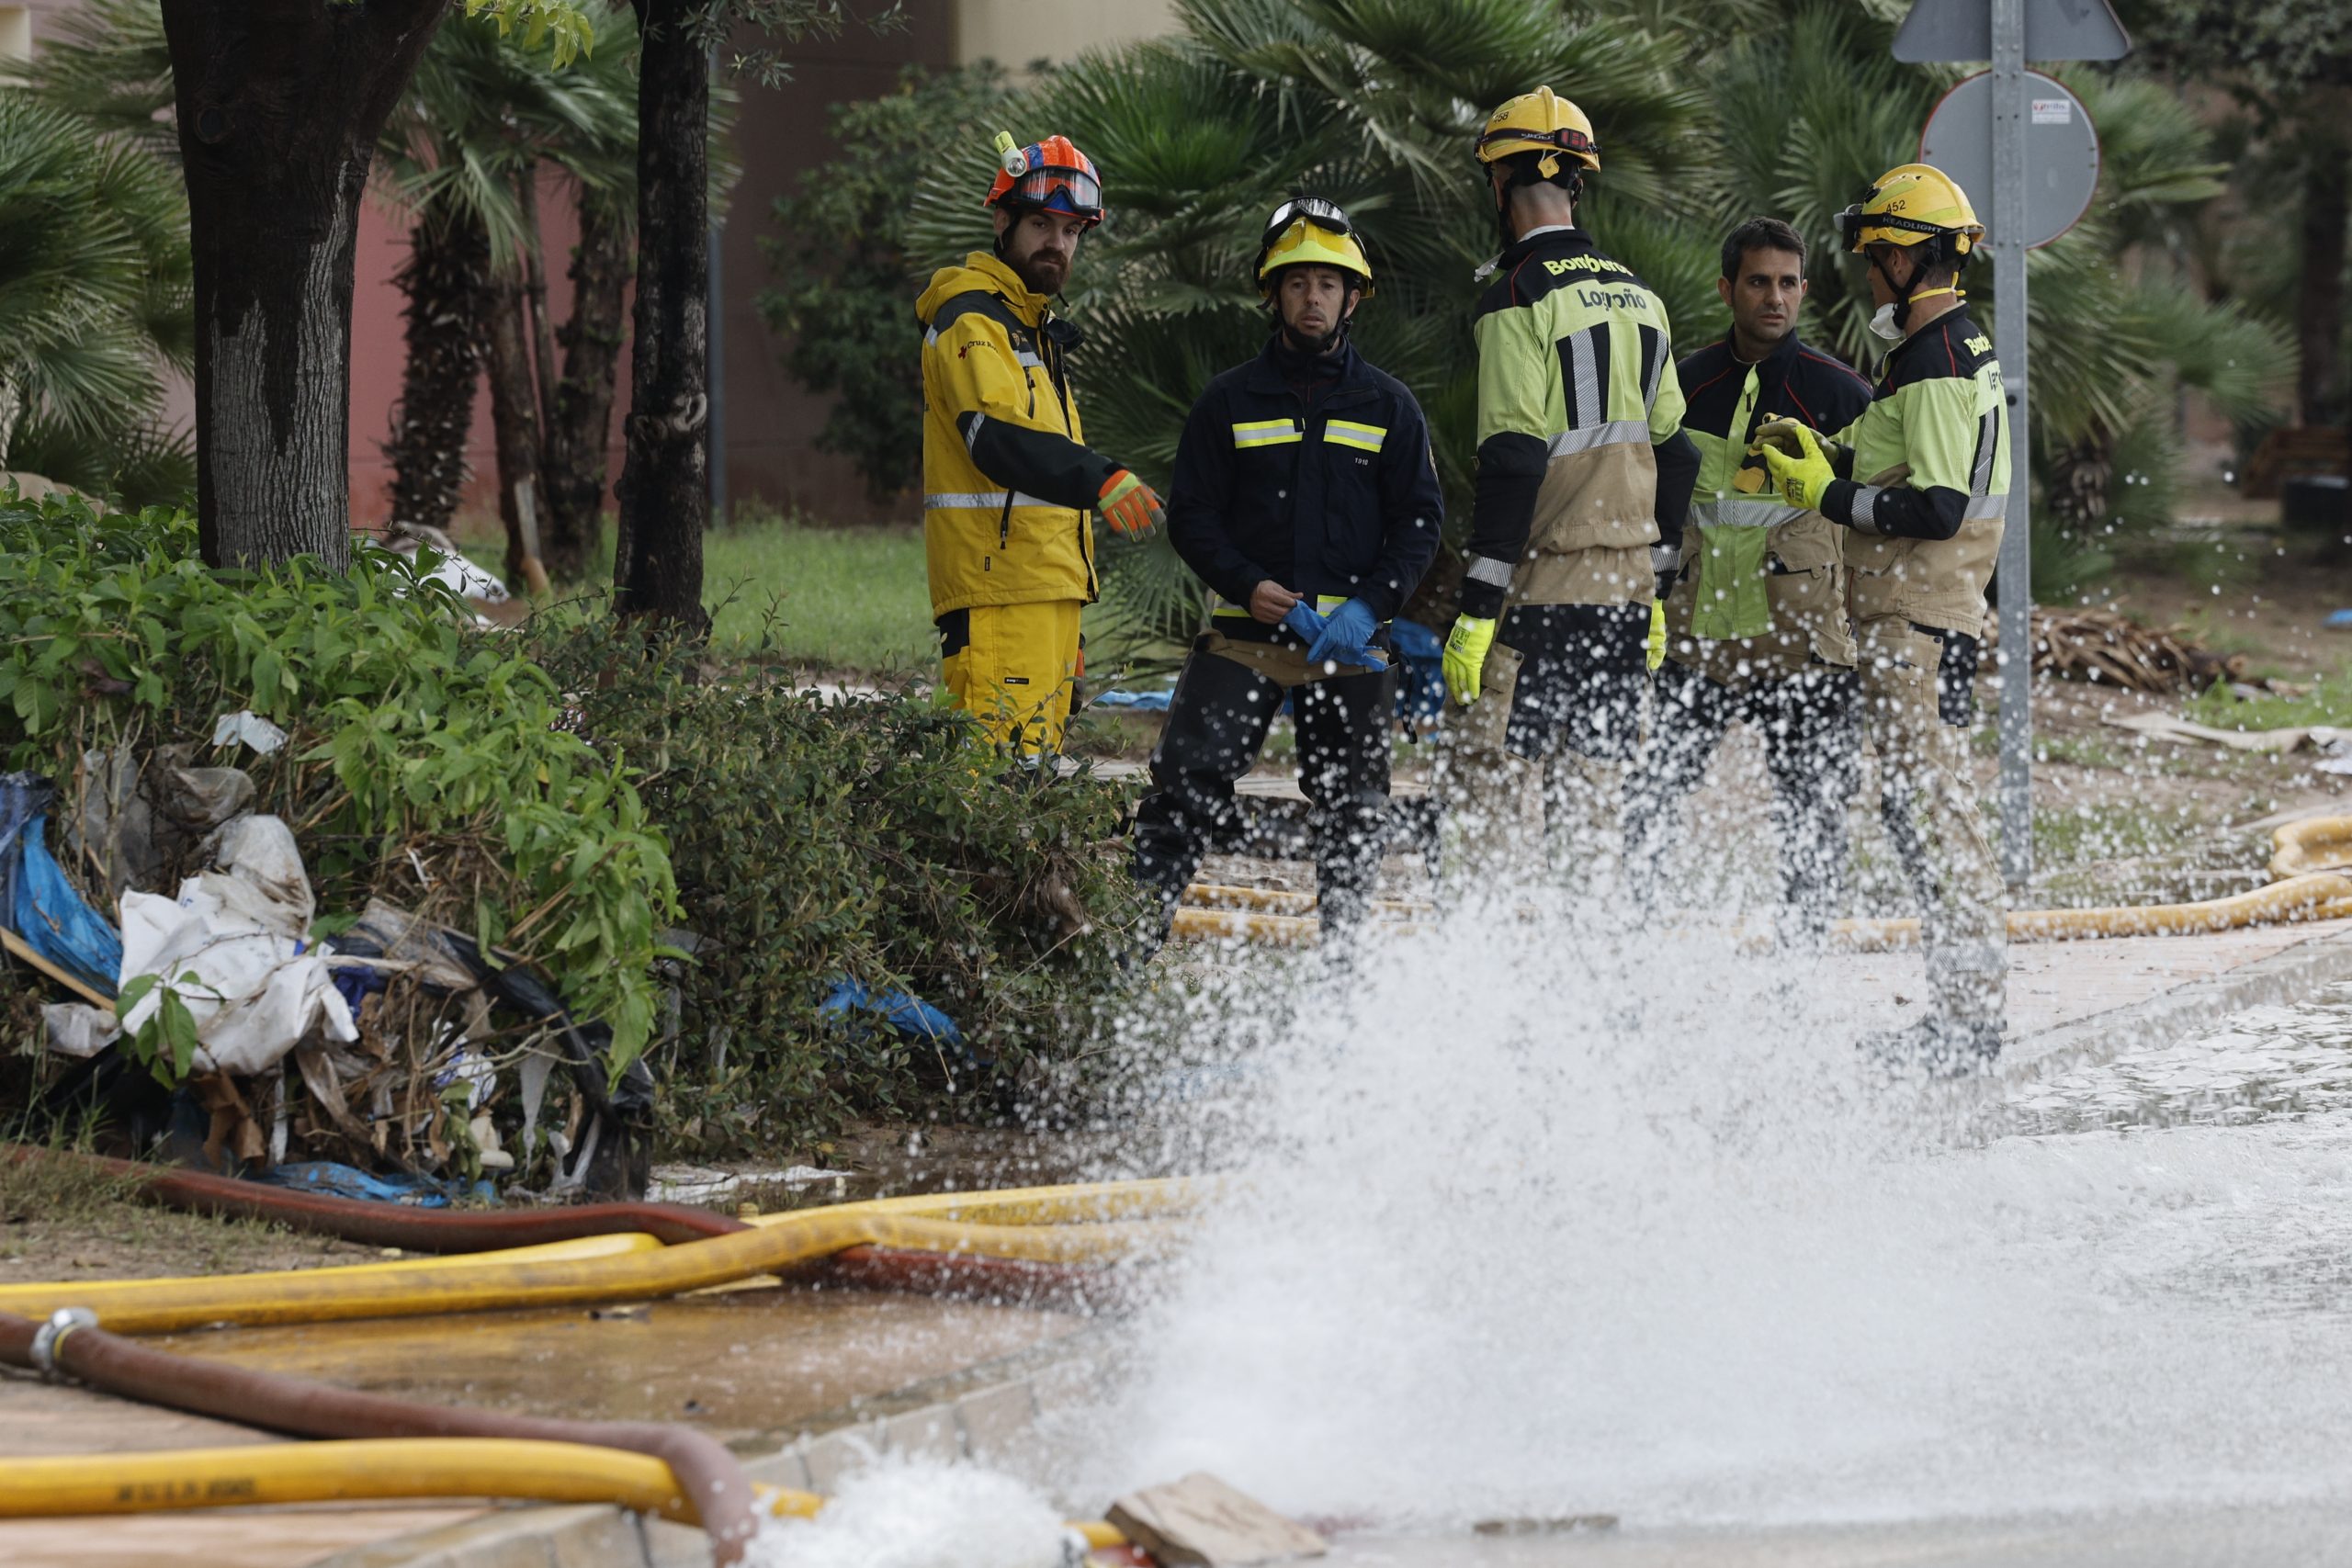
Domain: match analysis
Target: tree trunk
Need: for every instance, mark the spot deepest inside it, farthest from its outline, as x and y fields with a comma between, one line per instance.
x=535, y=290
x=2319, y=303
x=666, y=482
x=446, y=279
x=574, y=460
x=515, y=419
x=279, y=105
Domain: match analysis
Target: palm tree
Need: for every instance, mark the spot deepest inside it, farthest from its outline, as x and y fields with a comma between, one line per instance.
x=463, y=155
x=1705, y=115
x=94, y=302
x=1373, y=103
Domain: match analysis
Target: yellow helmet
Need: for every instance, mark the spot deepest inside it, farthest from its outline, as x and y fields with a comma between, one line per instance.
x=1309, y=230
x=1540, y=121
x=1910, y=205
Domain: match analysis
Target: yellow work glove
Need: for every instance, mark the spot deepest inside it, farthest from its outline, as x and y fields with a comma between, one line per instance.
x=1800, y=469
x=1130, y=505
x=1654, y=651
x=1465, y=655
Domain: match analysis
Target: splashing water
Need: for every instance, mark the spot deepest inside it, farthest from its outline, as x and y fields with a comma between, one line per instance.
x=915, y=1514
x=1533, y=1221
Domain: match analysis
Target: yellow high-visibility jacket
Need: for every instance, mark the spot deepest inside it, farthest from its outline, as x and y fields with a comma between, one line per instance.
x=1008, y=482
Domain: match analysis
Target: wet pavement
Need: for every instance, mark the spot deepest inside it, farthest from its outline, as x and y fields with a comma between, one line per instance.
x=743, y=1365
x=2305, y=1534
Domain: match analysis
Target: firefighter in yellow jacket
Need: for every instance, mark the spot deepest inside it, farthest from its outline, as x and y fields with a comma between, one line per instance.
x=1920, y=482
x=1008, y=480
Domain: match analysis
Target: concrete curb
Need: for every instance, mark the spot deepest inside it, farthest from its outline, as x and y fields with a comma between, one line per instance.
x=980, y=1413
x=2294, y=971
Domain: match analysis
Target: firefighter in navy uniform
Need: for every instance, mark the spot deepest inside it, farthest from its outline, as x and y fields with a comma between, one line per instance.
x=1920, y=482
x=1306, y=498
x=1584, y=478
x=1755, y=622
x=1009, y=482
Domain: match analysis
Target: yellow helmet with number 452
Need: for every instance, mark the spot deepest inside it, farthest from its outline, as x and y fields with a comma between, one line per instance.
x=1911, y=204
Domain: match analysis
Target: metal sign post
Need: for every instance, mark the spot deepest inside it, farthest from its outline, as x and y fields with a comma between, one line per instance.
x=2008, y=31
x=2008, y=234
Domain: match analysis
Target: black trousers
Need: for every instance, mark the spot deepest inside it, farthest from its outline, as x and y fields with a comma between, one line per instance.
x=1811, y=723
x=1580, y=679
x=1216, y=724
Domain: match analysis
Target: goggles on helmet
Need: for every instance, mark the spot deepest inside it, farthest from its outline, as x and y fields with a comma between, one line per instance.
x=1325, y=215
x=1853, y=220
x=1073, y=191
x=1567, y=138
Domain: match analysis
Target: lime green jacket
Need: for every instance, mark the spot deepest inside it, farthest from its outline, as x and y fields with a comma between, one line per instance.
x=1924, y=486
x=1582, y=465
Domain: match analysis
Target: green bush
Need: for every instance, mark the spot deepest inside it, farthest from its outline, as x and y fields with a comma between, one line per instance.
x=816, y=839
x=426, y=762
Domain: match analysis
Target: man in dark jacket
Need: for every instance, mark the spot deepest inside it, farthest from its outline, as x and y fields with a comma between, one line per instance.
x=1306, y=498
x=1755, y=622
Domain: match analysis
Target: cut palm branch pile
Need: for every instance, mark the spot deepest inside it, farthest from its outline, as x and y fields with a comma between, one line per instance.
x=2110, y=649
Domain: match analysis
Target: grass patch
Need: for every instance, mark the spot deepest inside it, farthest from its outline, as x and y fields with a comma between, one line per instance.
x=843, y=598
x=853, y=599
x=50, y=1185
x=2329, y=702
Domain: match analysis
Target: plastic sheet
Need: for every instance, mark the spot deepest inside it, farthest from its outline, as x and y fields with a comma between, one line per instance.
x=232, y=948
x=38, y=903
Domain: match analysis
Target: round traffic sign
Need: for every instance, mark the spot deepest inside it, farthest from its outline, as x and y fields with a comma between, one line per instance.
x=2061, y=152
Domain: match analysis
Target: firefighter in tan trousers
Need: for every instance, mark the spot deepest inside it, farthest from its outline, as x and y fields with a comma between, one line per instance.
x=1921, y=482
x=1584, y=480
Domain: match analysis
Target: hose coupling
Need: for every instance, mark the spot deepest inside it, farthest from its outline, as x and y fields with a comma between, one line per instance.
x=50, y=1334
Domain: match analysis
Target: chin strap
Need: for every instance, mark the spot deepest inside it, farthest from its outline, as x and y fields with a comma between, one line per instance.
x=1905, y=298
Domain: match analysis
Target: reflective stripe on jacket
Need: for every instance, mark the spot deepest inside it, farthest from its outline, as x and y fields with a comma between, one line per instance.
x=1575, y=392
x=1324, y=486
x=1008, y=481
x=1929, y=480
x=1753, y=567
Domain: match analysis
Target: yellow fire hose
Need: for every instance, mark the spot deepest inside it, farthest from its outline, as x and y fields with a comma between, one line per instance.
x=2306, y=858
x=2321, y=895
x=358, y=1469
x=1102, y=1221
x=375, y=1469
x=2316, y=843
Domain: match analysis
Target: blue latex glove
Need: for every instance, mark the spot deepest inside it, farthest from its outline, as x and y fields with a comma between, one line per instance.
x=1347, y=638
x=1303, y=620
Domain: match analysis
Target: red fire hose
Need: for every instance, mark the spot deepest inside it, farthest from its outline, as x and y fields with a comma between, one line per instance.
x=395, y=1225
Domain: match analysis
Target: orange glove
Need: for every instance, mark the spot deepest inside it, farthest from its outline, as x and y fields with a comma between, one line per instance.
x=1131, y=506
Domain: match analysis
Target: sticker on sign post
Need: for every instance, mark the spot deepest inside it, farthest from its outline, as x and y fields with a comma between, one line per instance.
x=2053, y=111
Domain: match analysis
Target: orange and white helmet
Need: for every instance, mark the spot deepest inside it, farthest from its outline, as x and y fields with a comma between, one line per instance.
x=1051, y=175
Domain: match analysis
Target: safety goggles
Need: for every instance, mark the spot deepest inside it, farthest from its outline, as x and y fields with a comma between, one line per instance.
x=1853, y=220
x=1324, y=215
x=1073, y=191
x=1569, y=138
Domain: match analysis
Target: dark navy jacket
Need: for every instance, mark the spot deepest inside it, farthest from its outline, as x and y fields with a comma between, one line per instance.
x=1792, y=380
x=1314, y=471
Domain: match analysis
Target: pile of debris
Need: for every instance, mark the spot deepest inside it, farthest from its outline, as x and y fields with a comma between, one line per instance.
x=218, y=1019
x=2109, y=648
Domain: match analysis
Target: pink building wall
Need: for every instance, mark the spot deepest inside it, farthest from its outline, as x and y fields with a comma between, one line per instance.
x=378, y=353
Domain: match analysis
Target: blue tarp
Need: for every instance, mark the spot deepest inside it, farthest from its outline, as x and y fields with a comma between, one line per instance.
x=1141, y=702
x=908, y=1017
x=38, y=903
x=348, y=1181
